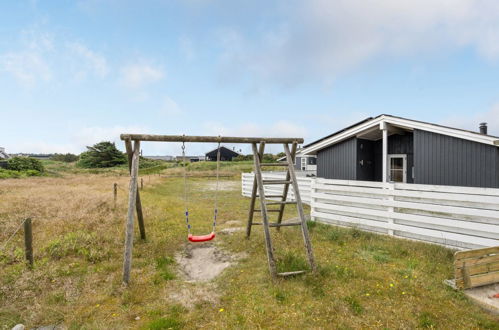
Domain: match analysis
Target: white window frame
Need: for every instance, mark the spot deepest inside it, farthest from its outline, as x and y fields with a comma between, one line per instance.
x=303, y=164
x=404, y=158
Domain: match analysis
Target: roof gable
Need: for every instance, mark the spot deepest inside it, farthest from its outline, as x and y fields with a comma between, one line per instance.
x=370, y=123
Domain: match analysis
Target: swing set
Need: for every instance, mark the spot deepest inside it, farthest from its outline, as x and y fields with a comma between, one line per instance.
x=258, y=191
x=210, y=236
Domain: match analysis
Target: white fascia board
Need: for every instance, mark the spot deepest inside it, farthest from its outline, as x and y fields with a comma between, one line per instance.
x=342, y=136
x=476, y=137
x=405, y=123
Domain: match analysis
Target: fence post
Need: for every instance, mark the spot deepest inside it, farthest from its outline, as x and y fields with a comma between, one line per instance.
x=28, y=241
x=391, y=188
x=115, y=192
x=312, y=198
x=141, y=183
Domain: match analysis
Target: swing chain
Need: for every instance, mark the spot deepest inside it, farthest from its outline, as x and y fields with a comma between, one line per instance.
x=185, y=189
x=216, y=189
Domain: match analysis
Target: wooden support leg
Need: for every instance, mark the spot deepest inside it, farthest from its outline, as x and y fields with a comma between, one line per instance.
x=140, y=216
x=253, y=195
x=299, y=206
x=132, y=201
x=263, y=208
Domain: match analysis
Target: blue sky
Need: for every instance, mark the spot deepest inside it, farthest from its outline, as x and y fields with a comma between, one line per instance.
x=73, y=73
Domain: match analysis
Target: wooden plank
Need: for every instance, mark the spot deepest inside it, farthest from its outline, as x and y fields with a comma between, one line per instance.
x=411, y=205
x=486, y=259
x=486, y=230
x=449, y=189
x=476, y=253
x=266, y=229
x=480, y=268
x=479, y=199
x=286, y=274
x=404, y=228
x=478, y=280
x=132, y=199
x=299, y=206
x=214, y=139
x=413, y=186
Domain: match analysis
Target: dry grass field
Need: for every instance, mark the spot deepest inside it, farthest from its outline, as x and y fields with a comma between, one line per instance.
x=364, y=280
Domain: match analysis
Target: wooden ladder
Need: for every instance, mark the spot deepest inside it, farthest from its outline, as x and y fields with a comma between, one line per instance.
x=259, y=191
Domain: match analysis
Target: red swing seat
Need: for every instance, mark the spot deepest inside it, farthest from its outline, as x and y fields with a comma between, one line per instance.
x=201, y=238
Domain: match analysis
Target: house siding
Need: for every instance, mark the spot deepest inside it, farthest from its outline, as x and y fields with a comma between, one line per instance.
x=338, y=161
x=445, y=160
x=298, y=163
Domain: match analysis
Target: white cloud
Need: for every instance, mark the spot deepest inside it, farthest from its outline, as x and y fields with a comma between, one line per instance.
x=26, y=67
x=87, y=136
x=29, y=65
x=136, y=76
x=89, y=60
x=40, y=58
x=322, y=38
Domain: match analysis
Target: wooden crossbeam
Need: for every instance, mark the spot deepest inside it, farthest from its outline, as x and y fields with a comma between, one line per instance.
x=215, y=139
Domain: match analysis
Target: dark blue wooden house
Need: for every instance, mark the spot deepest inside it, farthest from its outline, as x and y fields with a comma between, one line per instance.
x=226, y=154
x=388, y=148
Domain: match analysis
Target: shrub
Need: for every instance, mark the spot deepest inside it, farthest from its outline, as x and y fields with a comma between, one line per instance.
x=25, y=164
x=67, y=158
x=102, y=154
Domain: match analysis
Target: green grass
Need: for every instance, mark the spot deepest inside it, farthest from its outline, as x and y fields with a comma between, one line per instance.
x=363, y=280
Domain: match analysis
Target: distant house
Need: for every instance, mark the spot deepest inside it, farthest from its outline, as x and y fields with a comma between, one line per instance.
x=388, y=148
x=165, y=158
x=191, y=159
x=3, y=154
x=307, y=163
x=226, y=154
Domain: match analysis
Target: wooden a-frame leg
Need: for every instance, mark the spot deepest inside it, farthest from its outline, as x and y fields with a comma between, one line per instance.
x=140, y=216
x=132, y=200
x=286, y=187
x=299, y=206
x=253, y=195
x=263, y=207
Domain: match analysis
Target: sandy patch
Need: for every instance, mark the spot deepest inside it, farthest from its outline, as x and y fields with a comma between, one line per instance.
x=192, y=294
x=223, y=186
x=484, y=296
x=202, y=262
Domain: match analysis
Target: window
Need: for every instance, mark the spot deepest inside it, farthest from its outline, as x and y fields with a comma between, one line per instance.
x=397, y=168
x=303, y=163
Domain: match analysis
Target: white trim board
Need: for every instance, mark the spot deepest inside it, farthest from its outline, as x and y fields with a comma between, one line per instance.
x=403, y=123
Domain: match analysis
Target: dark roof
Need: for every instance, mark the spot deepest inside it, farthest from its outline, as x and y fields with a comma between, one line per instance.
x=223, y=147
x=418, y=121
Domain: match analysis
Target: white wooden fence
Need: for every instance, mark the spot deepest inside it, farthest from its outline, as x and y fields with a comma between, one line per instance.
x=303, y=182
x=459, y=217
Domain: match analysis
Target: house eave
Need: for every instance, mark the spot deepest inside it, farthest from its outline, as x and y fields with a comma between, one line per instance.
x=402, y=123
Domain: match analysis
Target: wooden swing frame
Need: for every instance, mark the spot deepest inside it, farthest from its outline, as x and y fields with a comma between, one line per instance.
x=134, y=202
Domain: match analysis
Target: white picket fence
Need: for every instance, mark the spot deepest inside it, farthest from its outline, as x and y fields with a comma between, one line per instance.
x=459, y=217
